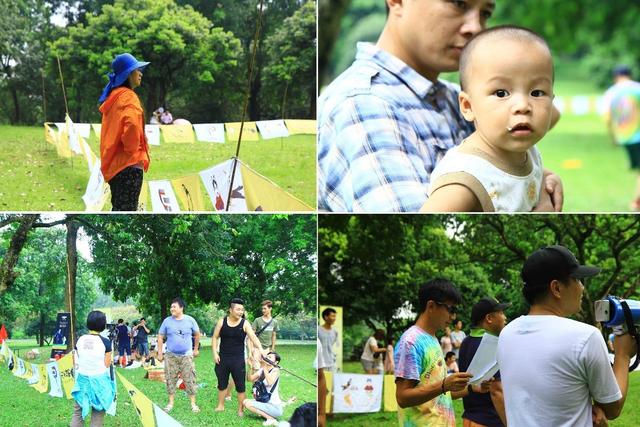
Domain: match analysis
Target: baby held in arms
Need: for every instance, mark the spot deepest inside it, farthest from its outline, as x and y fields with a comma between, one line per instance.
x=506, y=77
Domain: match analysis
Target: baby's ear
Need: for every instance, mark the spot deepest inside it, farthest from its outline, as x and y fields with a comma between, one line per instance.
x=465, y=106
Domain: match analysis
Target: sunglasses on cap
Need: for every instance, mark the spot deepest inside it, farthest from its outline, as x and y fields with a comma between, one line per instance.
x=450, y=308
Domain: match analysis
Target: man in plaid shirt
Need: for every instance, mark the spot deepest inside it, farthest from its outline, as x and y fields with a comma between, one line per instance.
x=387, y=120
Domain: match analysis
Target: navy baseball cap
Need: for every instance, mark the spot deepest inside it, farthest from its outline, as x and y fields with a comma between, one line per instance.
x=621, y=70
x=484, y=307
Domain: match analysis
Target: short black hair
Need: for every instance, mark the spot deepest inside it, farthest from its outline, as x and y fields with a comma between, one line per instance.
x=304, y=415
x=276, y=355
x=235, y=301
x=327, y=311
x=536, y=293
x=179, y=301
x=96, y=321
x=512, y=31
x=120, y=320
x=449, y=354
x=439, y=290
x=141, y=319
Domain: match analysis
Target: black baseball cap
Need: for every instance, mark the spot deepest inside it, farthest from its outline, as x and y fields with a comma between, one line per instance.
x=621, y=70
x=484, y=307
x=553, y=262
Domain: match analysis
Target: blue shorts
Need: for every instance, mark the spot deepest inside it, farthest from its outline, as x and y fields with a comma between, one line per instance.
x=124, y=346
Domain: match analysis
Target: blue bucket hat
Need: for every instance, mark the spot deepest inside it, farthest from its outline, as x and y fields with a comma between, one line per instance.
x=122, y=66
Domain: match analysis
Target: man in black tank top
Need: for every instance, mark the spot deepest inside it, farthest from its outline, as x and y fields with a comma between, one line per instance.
x=229, y=358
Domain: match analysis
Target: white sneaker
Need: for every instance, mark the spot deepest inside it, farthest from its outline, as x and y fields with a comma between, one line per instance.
x=271, y=422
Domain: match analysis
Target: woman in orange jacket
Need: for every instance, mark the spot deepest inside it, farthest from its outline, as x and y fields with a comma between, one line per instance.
x=124, y=152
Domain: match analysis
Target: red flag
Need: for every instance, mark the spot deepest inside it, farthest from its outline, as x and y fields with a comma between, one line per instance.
x=3, y=334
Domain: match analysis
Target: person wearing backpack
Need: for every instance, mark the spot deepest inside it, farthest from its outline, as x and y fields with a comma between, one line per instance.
x=266, y=400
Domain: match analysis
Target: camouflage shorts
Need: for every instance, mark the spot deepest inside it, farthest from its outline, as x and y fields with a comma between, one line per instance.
x=176, y=366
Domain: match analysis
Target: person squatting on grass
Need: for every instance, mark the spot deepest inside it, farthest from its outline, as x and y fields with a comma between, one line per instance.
x=124, y=151
x=269, y=376
x=229, y=359
x=93, y=391
x=178, y=329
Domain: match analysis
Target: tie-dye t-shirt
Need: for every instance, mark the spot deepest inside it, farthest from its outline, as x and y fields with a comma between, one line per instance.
x=418, y=356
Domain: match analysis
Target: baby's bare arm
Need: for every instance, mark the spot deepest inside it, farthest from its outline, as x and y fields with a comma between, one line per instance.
x=452, y=198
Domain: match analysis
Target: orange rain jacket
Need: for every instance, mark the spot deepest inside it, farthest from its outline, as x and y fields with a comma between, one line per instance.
x=122, y=139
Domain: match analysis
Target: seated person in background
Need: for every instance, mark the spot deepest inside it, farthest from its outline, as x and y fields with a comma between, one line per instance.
x=166, y=118
x=508, y=97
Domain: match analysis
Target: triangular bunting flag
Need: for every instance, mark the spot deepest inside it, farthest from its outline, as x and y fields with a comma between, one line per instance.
x=189, y=193
x=163, y=419
x=144, y=406
x=216, y=181
x=163, y=198
x=43, y=379
x=272, y=129
x=263, y=195
x=209, y=132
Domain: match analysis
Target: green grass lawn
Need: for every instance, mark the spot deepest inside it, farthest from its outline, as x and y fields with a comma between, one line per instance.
x=34, y=178
x=22, y=405
x=629, y=418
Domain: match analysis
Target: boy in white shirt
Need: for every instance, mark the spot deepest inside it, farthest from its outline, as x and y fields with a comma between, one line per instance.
x=506, y=74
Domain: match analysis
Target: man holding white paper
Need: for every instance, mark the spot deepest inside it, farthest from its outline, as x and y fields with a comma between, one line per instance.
x=482, y=408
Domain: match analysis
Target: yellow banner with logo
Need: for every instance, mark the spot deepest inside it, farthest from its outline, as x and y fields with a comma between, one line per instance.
x=43, y=380
x=249, y=131
x=264, y=195
x=189, y=193
x=65, y=367
x=178, y=133
x=296, y=127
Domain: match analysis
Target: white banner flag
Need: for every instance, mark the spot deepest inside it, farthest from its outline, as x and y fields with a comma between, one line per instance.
x=216, y=180
x=153, y=134
x=54, y=380
x=74, y=137
x=84, y=129
x=210, y=132
x=97, y=190
x=357, y=393
x=35, y=374
x=272, y=129
x=163, y=419
x=20, y=369
x=163, y=199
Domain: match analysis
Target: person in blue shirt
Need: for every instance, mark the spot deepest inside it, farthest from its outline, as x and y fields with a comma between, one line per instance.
x=176, y=331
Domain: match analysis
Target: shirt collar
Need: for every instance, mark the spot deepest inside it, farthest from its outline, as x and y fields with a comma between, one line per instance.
x=477, y=332
x=419, y=84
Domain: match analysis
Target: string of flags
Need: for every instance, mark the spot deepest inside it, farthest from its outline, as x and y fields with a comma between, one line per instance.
x=59, y=378
x=251, y=192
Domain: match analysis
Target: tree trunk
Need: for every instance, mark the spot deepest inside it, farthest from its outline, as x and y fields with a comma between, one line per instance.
x=70, y=289
x=16, y=105
x=41, y=328
x=163, y=308
x=10, y=259
x=254, y=101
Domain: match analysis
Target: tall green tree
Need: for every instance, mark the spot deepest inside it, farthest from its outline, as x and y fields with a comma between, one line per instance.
x=188, y=55
x=290, y=69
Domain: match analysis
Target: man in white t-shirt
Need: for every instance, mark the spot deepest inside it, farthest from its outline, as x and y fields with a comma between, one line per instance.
x=555, y=371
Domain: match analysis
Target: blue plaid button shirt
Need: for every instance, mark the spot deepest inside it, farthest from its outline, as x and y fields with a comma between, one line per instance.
x=381, y=129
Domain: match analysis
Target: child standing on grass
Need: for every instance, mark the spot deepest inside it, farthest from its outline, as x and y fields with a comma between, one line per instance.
x=94, y=391
x=506, y=74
